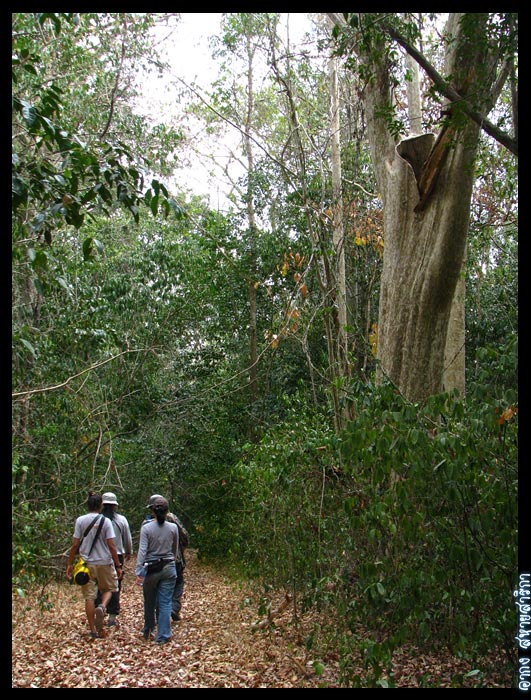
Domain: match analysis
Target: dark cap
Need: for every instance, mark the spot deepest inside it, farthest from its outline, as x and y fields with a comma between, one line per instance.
x=158, y=501
x=152, y=500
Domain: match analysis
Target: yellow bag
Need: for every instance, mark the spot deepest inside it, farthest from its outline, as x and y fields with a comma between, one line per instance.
x=81, y=572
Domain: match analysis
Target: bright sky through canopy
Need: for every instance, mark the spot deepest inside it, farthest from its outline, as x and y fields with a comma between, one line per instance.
x=184, y=45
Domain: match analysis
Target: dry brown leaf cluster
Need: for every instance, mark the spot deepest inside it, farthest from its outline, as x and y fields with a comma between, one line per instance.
x=217, y=644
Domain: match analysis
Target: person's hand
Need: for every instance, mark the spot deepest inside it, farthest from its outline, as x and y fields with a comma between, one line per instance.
x=139, y=581
x=69, y=572
x=119, y=572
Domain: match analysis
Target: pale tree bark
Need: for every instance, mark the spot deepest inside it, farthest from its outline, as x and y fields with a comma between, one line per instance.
x=426, y=187
x=253, y=232
x=414, y=105
x=338, y=234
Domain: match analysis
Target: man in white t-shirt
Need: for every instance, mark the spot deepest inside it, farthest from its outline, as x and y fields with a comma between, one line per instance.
x=124, y=546
x=94, y=539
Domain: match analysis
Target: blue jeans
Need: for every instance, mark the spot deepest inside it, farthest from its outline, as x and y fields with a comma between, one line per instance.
x=158, y=592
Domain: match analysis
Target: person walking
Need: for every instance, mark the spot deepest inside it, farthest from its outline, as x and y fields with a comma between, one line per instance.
x=94, y=539
x=156, y=571
x=124, y=547
x=180, y=561
x=180, y=565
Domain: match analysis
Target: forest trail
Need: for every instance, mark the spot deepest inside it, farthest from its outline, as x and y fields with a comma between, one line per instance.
x=216, y=644
x=213, y=646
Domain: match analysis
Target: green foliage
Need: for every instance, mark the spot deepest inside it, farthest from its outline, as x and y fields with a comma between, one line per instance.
x=62, y=172
x=404, y=528
x=131, y=364
x=34, y=535
x=395, y=125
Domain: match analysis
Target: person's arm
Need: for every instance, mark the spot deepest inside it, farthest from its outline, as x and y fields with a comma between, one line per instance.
x=183, y=538
x=128, y=541
x=141, y=555
x=71, y=555
x=176, y=542
x=114, y=554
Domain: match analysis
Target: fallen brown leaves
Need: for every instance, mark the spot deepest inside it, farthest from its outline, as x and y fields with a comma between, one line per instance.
x=213, y=646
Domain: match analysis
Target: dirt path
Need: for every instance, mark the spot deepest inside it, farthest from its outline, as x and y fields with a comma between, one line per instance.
x=213, y=646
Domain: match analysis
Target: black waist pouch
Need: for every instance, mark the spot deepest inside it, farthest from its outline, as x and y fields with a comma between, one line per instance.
x=153, y=567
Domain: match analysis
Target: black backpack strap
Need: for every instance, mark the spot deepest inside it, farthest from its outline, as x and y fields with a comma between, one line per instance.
x=97, y=535
x=89, y=528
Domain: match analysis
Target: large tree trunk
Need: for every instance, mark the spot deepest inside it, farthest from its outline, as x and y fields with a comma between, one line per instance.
x=423, y=257
x=426, y=187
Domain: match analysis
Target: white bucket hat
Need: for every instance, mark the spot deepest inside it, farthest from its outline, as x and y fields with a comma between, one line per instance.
x=109, y=498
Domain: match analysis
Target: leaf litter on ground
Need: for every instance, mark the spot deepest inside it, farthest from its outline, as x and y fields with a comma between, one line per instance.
x=220, y=642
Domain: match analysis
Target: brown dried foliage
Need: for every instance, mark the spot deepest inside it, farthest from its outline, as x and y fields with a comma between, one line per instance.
x=221, y=642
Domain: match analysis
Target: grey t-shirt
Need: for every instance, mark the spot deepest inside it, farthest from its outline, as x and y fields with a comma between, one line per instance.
x=101, y=554
x=122, y=534
x=156, y=542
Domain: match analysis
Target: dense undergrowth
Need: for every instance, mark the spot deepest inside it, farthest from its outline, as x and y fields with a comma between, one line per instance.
x=405, y=526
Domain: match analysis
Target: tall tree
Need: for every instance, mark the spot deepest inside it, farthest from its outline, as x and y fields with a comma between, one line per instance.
x=426, y=186
x=242, y=36
x=338, y=235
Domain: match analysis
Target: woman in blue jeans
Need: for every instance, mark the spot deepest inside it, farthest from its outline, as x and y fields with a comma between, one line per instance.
x=156, y=572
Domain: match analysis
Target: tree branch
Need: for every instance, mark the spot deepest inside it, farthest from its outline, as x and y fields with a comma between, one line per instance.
x=448, y=91
x=26, y=394
x=442, y=86
x=116, y=85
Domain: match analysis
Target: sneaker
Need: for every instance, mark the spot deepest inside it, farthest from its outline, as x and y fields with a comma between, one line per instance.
x=161, y=642
x=111, y=622
x=148, y=635
x=100, y=614
x=94, y=635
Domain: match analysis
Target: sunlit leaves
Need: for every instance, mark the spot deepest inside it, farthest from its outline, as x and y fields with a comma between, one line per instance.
x=91, y=246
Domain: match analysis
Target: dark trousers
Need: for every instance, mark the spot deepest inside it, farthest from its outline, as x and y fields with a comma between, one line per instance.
x=113, y=607
x=178, y=591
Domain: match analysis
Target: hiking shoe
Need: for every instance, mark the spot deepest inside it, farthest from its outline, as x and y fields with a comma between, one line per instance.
x=160, y=642
x=94, y=635
x=100, y=614
x=111, y=622
x=148, y=635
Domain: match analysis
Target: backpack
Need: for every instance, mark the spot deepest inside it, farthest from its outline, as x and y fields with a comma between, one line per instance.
x=183, y=535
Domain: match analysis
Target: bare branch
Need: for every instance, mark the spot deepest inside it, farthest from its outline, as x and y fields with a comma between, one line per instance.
x=26, y=394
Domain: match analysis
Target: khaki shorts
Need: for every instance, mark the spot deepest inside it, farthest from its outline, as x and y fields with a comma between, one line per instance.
x=102, y=576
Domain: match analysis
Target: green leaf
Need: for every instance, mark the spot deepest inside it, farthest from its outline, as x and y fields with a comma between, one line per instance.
x=43, y=16
x=88, y=248
x=180, y=212
x=29, y=346
x=29, y=113
x=318, y=668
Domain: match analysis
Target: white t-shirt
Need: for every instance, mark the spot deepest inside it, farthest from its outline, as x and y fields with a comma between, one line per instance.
x=100, y=554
